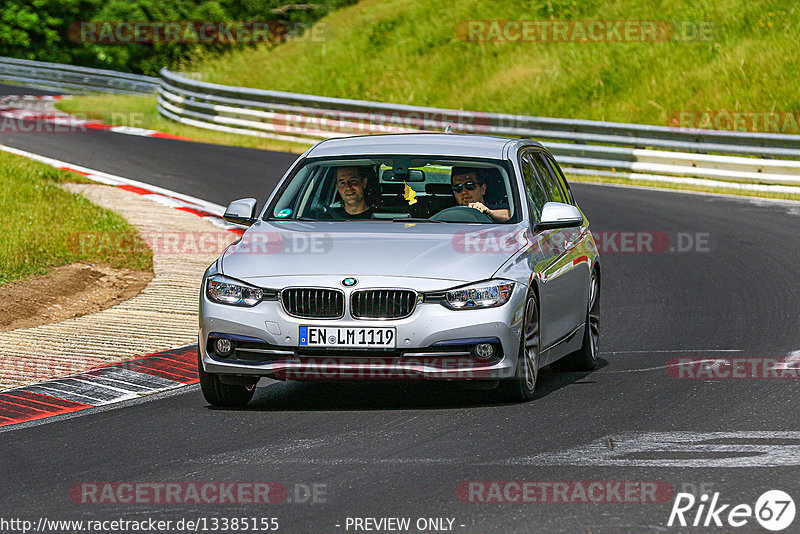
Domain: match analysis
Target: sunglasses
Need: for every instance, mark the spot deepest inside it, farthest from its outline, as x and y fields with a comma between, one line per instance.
x=470, y=186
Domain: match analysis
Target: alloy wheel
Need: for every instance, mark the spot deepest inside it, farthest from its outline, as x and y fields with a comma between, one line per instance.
x=531, y=343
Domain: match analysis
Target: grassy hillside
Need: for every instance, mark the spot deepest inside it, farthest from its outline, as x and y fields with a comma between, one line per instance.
x=409, y=51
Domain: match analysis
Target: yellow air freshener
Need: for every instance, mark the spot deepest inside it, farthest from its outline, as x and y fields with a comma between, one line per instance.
x=410, y=194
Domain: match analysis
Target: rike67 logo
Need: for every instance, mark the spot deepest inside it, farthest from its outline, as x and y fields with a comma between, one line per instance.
x=774, y=510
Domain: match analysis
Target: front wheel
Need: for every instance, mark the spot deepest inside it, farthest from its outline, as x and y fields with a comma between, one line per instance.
x=218, y=394
x=585, y=358
x=521, y=387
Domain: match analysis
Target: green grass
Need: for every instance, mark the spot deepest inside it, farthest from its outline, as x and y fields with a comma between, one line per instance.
x=41, y=223
x=409, y=52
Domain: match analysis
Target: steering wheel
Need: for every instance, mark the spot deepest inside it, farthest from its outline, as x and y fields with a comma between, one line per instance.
x=463, y=214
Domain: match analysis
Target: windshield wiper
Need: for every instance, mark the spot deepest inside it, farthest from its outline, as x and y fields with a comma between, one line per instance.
x=414, y=220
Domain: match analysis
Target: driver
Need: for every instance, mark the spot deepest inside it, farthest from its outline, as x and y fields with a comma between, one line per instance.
x=469, y=188
x=350, y=182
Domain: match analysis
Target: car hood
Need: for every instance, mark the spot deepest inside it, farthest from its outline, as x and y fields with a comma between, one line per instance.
x=447, y=251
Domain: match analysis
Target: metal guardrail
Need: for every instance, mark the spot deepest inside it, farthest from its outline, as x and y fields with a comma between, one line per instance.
x=580, y=144
x=56, y=76
x=633, y=150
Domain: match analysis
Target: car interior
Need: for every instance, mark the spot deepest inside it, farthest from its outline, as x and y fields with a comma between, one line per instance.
x=401, y=189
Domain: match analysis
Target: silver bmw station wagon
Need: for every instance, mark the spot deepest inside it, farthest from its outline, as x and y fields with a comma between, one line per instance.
x=413, y=256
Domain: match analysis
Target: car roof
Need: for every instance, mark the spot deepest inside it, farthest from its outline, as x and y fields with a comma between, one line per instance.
x=435, y=144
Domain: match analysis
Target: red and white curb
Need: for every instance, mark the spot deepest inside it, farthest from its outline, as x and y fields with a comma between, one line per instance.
x=39, y=109
x=104, y=385
x=202, y=208
x=119, y=381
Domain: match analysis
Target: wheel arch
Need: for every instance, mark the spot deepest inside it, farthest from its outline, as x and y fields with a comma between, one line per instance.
x=598, y=269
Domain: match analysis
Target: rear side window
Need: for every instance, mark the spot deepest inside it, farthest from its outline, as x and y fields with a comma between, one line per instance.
x=537, y=197
x=554, y=193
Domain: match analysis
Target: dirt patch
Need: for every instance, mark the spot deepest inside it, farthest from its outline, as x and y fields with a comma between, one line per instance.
x=66, y=292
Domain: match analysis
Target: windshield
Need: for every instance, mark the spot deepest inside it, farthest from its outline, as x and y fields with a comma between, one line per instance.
x=392, y=188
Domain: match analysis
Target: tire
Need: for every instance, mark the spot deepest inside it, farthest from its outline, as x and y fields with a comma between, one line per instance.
x=585, y=358
x=218, y=394
x=521, y=387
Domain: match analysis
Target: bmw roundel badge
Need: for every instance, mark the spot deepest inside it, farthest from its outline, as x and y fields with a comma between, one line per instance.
x=349, y=282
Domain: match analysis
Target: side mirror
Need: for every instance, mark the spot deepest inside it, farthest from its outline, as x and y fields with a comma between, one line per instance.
x=559, y=215
x=242, y=211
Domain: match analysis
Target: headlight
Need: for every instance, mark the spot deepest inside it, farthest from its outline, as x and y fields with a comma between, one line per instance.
x=226, y=291
x=483, y=295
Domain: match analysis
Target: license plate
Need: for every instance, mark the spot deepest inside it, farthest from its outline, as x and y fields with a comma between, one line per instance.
x=326, y=336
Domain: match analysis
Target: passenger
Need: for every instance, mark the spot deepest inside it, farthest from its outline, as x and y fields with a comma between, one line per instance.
x=351, y=182
x=469, y=188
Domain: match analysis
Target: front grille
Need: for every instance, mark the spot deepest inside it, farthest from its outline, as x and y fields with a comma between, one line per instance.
x=383, y=303
x=313, y=302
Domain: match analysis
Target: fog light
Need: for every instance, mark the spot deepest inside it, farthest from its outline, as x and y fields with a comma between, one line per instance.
x=224, y=347
x=484, y=351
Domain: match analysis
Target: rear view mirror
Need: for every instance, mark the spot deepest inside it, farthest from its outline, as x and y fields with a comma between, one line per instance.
x=559, y=215
x=242, y=211
x=412, y=175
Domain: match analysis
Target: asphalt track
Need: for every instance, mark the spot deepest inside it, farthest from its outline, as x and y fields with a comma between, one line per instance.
x=402, y=450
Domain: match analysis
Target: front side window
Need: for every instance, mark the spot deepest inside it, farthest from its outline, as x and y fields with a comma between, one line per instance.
x=535, y=193
x=558, y=176
x=550, y=185
x=397, y=187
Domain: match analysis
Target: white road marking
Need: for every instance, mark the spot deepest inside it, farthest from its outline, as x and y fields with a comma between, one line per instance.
x=791, y=362
x=132, y=130
x=627, y=449
x=712, y=360
x=679, y=449
x=669, y=351
x=93, y=385
x=278, y=460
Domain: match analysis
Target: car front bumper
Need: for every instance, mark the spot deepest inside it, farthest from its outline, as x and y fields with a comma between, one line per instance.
x=432, y=343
